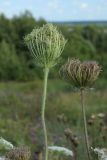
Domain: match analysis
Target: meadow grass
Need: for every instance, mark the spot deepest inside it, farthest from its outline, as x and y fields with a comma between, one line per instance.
x=20, y=108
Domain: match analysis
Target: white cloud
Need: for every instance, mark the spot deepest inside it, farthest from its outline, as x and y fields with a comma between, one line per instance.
x=84, y=5
x=99, y=8
x=53, y=5
x=7, y=3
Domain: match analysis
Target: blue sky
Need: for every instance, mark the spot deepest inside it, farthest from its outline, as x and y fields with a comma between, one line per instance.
x=57, y=10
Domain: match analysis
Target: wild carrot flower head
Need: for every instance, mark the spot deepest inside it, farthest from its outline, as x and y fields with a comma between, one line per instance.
x=102, y=153
x=63, y=150
x=79, y=74
x=46, y=45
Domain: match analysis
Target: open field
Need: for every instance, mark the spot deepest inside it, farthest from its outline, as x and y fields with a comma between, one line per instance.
x=20, y=108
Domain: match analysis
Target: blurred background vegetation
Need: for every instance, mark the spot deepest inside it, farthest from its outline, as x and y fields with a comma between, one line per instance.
x=21, y=86
x=86, y=42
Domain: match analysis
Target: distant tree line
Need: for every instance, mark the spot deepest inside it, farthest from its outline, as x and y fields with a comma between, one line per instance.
x=16, y=63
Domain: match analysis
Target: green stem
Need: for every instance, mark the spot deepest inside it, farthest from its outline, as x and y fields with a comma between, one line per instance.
x=85, y=124
x=46, y=71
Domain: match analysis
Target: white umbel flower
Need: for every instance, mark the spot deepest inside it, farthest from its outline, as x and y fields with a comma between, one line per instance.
x=2, y=158
x=4, y=144
x=64, y=150
x=102, y=153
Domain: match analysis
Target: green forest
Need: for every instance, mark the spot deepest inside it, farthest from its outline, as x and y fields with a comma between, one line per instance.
x=16, y=63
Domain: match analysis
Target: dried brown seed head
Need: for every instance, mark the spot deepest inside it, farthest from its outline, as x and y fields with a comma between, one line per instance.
x=79, y=74
x=22, y=153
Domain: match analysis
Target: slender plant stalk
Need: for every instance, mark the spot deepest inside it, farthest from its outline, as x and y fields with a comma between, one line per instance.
x=46, y=45
x=85, y=124
x=46, y=71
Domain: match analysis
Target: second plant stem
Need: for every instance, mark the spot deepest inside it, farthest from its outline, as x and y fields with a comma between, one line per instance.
x=85, y=124
x=46, y=72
